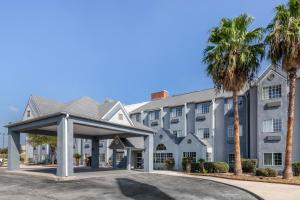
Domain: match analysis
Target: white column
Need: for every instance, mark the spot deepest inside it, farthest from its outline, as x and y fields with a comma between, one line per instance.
x=129, y=159
x=65, y=148
x=13, y=150
x=148, y=153
x=213, y=126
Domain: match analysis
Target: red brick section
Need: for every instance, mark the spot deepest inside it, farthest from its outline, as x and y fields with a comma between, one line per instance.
x=159, y=95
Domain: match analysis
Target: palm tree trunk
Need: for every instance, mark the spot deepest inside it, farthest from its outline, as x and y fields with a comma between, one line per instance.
x=236, y=126
x=288, y=172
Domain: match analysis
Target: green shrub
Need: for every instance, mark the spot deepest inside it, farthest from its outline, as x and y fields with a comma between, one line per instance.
x=296, y=169
x=216, y=167
x=249, y=165
x=170, y=164
x=185, y=161
x=267, y=172
x=201, y=166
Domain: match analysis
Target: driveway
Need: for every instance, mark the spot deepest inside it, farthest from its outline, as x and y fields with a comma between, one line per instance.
x=139, y=186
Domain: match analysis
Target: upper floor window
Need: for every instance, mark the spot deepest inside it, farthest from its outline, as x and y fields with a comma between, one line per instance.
x=120, y=116
x=176, y=112
x=28, y=113
x=203, y=133
x=154, y=115
x=203, y=108
x=230, y=131
x=271, y=92
x=137, y=117
x=272, y=125
x=178, y=133
x=230, y=104
x=161, y=147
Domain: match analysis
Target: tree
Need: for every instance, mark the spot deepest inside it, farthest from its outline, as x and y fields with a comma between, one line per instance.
x=284, y=49
x=233, y=56
x=36, y=140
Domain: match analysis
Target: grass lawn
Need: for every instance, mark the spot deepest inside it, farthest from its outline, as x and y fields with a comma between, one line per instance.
x=251, y=177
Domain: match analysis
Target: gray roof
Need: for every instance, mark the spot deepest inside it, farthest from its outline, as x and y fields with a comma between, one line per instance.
x=82, y=107
x=178, y=100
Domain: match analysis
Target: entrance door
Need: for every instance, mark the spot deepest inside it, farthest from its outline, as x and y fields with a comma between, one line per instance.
x=139, y=160
x=119, y=158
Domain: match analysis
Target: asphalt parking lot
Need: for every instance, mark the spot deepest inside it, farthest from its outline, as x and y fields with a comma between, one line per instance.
x=139, y=186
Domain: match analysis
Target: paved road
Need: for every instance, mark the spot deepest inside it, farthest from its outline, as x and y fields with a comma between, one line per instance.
x=141, y=186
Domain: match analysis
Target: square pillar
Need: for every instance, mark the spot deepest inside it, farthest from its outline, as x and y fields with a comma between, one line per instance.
x=148, y=153
x=65, y=147
x=129, y=159
x=95, y=152
x=13, y=150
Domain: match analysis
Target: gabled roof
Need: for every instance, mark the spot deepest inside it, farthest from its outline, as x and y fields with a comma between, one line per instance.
x=82, y=107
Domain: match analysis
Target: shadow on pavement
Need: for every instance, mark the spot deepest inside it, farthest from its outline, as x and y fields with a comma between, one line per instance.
x=140, y=191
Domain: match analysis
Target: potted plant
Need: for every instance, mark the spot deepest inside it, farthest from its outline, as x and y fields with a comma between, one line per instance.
x=77, y=157
x=170, y=164
x=201, y=166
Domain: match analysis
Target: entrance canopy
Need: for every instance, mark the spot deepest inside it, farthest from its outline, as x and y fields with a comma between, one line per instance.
x=82, y=118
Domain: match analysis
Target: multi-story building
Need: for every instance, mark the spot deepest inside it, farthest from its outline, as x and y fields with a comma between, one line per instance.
x=200, y=124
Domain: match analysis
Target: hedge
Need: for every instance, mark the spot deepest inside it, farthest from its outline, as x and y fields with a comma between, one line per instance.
x=170, y=164
x=296, y=169
x=249, y=165
x=267, y=172
x=216, y=167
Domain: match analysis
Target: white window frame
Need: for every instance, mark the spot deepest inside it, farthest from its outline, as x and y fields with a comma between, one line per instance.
x=203, y=108
x=191, y=154
x=271, y=92
x=231, y=158
x=178, y=133
x=201, y=132
x=272, y=159
x=175, y=112
x=273, y=125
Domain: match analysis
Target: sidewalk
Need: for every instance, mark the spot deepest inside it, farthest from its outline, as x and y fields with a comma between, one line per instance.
x=268, y=191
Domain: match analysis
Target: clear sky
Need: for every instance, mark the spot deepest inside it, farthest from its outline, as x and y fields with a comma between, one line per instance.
x=122, y=49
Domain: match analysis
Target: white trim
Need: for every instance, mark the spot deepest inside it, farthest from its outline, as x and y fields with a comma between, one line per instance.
x=110, y=110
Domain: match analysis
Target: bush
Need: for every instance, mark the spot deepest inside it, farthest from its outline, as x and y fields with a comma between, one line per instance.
x=185, y=161
x=267, y=172
x=296, y=169
x=201, y=166
x=170, y=164
x=216, y=167
x=249, y=165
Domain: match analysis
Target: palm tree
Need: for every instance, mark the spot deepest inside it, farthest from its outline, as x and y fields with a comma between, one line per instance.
x=284, y=49
x=233, y=56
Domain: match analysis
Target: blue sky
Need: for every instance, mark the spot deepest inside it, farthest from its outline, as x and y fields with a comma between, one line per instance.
x=108, y=49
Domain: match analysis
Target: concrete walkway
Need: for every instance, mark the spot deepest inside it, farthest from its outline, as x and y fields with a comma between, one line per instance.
x=268, y=191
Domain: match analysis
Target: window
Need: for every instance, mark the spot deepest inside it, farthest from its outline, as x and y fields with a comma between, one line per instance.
x=178, y=133
x=102, y=157
x=190, y=155
x=231, y=158
x=230, y=131
x=101, y=144
x=203, y=133
x=137, y=117
x=86, y=146
x=120, y=116
x=271, y=92
x=203, y=108
x=272, y=159
x=272, y=125
x=241, y=102
x=176, y=112
x=208, y=157
x=161, y=157
x=28, y=113
x=154, y=115
x=230, y=104
x=161, y=147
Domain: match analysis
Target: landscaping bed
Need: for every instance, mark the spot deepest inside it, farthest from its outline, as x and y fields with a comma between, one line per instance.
x=252, y=177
